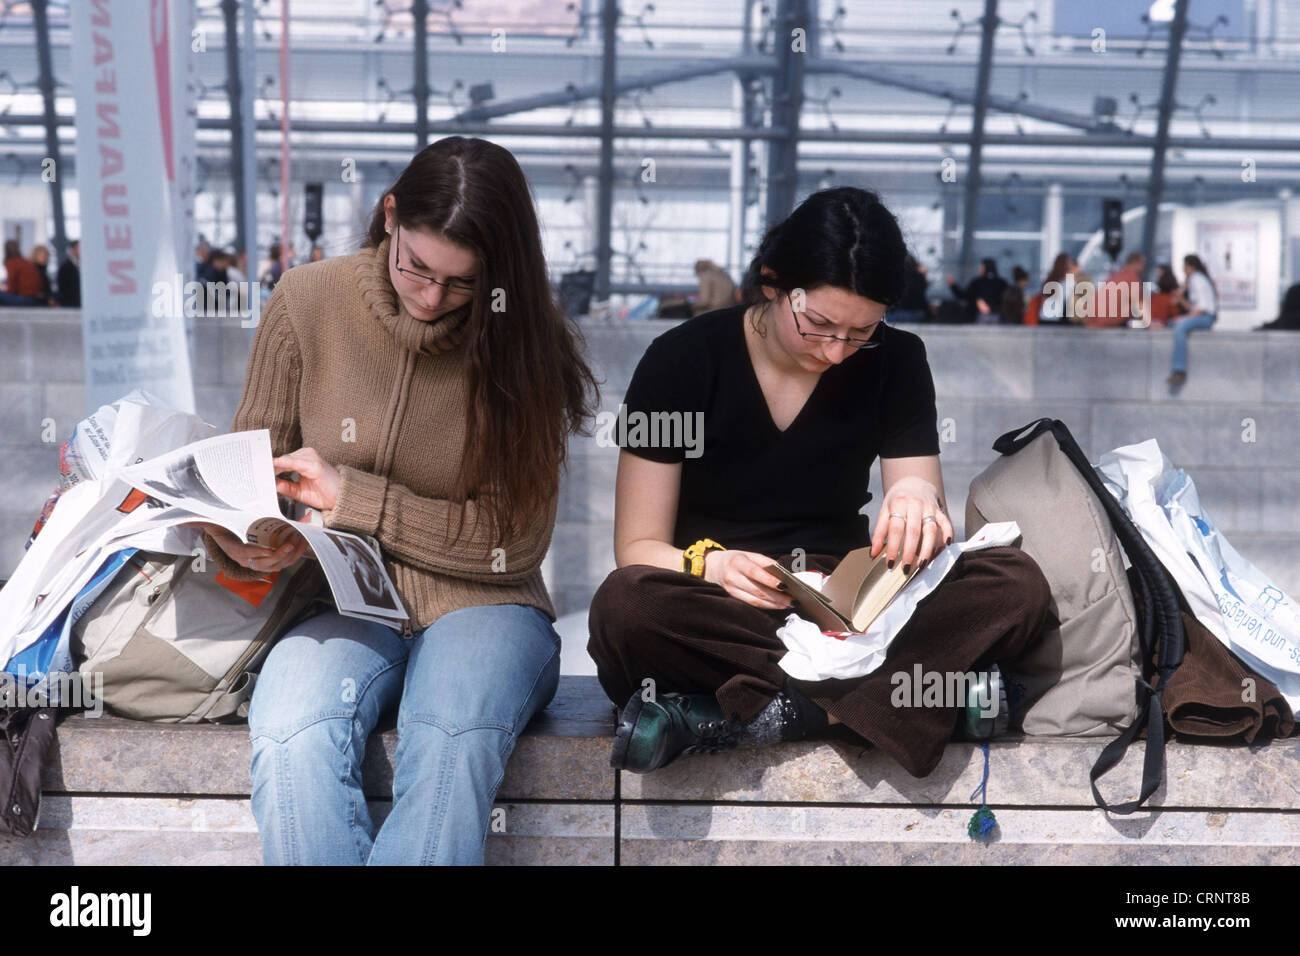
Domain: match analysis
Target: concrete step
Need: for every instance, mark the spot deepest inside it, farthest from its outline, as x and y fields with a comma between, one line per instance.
x=128, y=792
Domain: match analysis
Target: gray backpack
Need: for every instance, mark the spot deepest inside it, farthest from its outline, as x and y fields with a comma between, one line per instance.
x=173, y=644
x=1119, y=639
x=1081, y=678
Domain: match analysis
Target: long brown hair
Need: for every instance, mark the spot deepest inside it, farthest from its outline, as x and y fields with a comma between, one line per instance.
x=1060, y=268
x=529, y=385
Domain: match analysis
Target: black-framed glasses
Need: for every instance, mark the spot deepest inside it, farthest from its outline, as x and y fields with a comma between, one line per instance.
x=856, y=341
x=454, y=286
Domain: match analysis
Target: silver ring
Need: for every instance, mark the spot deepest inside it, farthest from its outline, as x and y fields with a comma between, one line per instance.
x=929, y=518
x=894, y=515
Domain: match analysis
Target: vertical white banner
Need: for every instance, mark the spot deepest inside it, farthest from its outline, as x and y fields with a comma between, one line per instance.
x=135, y=146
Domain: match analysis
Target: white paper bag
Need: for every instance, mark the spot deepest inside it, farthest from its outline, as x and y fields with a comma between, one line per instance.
x=1235, y=601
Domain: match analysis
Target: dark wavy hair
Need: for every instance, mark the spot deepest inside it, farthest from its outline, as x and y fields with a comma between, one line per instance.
x=1193, y=260
x=529, y=384
x=842, y=237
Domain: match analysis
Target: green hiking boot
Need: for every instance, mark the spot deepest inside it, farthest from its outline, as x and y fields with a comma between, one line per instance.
x=976, y=723
x=653, y=733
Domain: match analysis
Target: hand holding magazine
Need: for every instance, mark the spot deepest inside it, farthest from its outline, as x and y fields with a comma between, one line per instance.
x=229, y=480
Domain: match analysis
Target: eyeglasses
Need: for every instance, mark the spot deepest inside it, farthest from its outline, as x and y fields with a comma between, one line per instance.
x=454, y=286
x=856, y=341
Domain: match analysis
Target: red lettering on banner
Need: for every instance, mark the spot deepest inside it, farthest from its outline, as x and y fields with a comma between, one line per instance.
x=117, y=235
x=112, y=163
x=115, y=209
x=121, y=270
x=108, y=128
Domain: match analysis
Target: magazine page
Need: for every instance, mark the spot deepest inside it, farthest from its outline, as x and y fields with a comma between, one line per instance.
x=217, y=478
x=356, y=576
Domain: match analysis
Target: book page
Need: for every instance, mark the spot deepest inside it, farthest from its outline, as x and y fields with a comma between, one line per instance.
x=880, y=586
x=356, y=576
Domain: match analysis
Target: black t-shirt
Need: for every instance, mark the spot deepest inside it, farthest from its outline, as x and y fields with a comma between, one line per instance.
x=750, y=486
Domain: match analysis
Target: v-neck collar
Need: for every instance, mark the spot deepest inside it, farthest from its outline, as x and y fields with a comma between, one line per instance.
x=758, y=386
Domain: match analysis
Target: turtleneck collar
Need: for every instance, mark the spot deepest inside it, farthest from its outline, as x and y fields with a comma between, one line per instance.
x=430, y=337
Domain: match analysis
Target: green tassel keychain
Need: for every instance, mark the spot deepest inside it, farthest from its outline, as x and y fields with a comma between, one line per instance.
x=983, y=822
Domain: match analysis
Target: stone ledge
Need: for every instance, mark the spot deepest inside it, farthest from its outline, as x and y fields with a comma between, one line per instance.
x=724, y=835
x=126, y=791
x=1023, y=772
x=562, y=755
x=208, y=831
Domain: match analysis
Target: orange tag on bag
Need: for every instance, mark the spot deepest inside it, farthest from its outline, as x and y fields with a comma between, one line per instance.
x=254, y=592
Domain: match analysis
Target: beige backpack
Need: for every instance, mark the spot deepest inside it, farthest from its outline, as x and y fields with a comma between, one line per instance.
x=1082, y=678
x=177, y=645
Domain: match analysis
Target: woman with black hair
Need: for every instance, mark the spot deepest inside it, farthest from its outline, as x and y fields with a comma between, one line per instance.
x=798, y=388
x=1201, y=300
x=422, y=389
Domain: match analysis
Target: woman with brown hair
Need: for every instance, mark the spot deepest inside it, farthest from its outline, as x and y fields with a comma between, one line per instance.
x=423, y=390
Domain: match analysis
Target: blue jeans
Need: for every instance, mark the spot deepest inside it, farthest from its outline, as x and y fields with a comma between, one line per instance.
x=465, y=687
x=1182, y=328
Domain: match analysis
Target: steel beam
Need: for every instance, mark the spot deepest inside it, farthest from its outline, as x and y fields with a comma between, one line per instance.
x=420, y=11
x=1168, y=86
x=588, y=91
x=605, y=177
x=239, y=149
x=875, y=74
x=787, y=103
x=49, y=119
x=975, y=157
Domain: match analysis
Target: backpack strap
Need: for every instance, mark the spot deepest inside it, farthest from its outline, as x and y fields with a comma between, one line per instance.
x=1160, y=626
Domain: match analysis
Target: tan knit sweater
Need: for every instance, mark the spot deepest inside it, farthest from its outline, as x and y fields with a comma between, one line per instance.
x=339, y=365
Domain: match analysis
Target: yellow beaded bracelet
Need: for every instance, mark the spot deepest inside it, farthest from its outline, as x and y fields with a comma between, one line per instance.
x=693, y=557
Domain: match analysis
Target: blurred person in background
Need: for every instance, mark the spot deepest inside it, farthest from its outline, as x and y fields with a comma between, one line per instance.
x=23, y=284
x=1288, y=318
x=1052, y=308
x=1165, y=304
x=1012, y=311
x=317, y=253
x=914, y=306
x=201, y=252
x=69, y=277
x=983, y=295
x=217, y=266
x=1122, y=290
x=1202, y=302
x=40, y=258
x=717, y=290
x=274, y=267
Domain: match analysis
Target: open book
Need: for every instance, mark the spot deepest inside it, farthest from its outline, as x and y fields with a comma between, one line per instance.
x=853, y=596
x=229, y=481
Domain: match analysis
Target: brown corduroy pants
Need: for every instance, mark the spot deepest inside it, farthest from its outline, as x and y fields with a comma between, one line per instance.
x=691, y=636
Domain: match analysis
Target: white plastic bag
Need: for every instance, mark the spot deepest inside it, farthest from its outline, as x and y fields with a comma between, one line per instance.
x=812, y=655
x=1235, y=601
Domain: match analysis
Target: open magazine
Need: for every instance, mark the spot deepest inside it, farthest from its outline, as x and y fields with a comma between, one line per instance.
x=229, y=481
